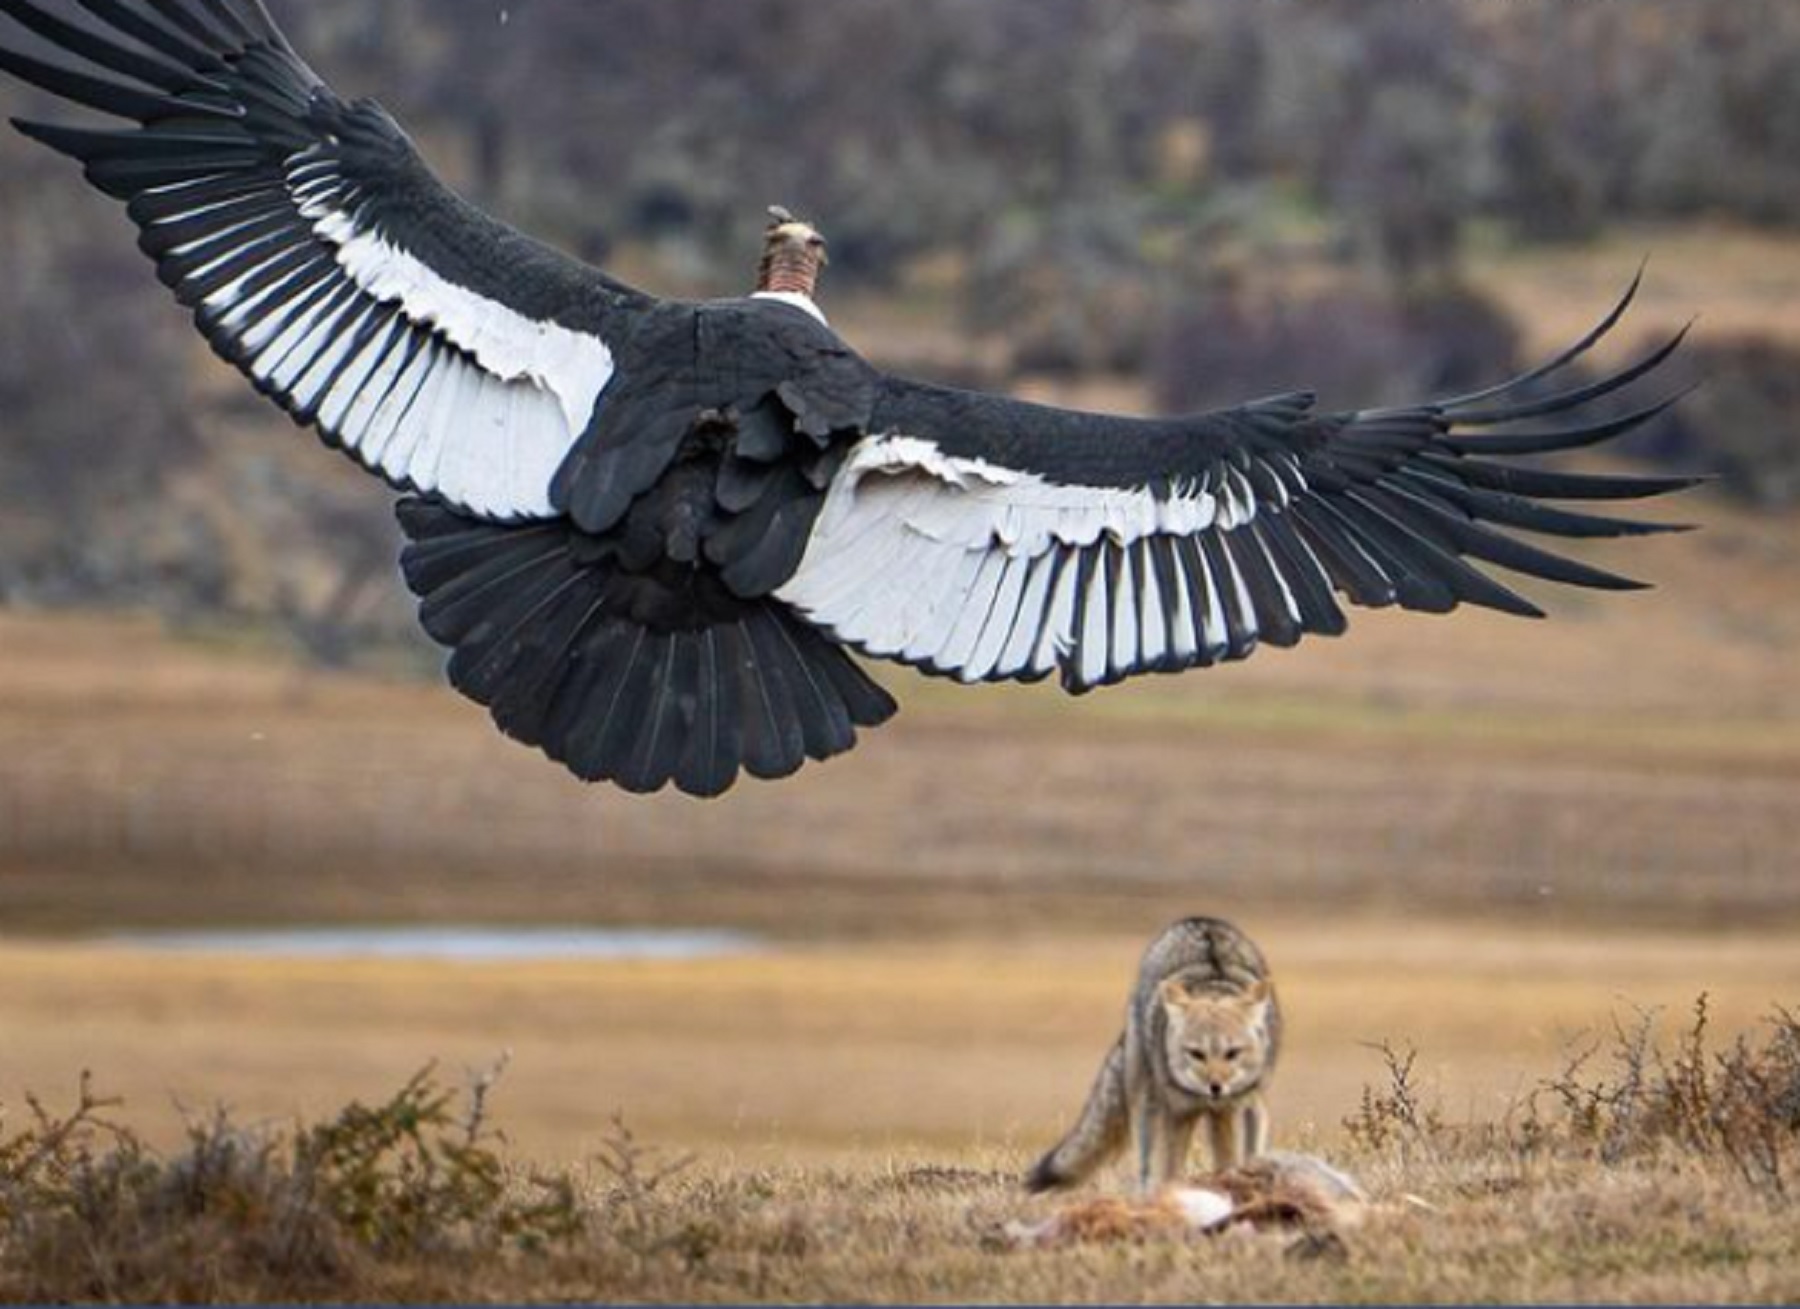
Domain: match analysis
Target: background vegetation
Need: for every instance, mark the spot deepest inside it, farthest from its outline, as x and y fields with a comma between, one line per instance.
x=1217, y=199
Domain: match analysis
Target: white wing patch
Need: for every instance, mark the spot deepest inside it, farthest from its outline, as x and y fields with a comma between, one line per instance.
x=423, y=380
x=987, y=505
x=985, y=572
x=572, y=366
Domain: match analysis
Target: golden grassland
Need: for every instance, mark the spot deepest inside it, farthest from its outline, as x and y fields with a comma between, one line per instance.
x=411, y=1198
x=841, y=1053
x=849, y=1124
x=891, y=1233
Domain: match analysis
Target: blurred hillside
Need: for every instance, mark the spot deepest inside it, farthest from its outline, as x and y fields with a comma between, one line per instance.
x=1166, y=204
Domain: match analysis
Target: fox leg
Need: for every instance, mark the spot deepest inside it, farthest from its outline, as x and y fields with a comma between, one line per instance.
x=1164, y=1140
x=1145, y=1136
x=1148, y=1125
x=1225, y=1132
x=1177, y=1145
x=1255, y=1115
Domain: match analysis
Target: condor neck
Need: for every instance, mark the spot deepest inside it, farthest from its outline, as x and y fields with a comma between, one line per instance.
x=789, y=270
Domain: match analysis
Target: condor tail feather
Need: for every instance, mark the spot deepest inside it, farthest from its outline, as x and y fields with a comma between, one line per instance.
x=623, y=677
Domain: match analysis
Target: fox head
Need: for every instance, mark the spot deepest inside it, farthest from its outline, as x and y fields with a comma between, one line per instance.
x=1217, y=1043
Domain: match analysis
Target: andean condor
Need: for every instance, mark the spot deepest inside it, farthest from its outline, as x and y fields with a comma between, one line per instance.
x=654, y=534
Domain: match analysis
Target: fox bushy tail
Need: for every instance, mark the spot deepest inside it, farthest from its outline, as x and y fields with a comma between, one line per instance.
x=1097, y=1135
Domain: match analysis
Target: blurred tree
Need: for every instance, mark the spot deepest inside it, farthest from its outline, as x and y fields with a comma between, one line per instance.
x=88, y=449
x=1742, y=426
x=1358, y=343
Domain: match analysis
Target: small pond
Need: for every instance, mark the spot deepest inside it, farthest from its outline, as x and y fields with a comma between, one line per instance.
x=473, y=945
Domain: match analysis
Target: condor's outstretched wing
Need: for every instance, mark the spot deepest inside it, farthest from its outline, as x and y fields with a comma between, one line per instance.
x=318, y=253
x=984, y=539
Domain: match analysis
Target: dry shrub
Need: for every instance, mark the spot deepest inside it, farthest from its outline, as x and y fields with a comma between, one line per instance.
x=1396, y=1116
x=1631, y=1096
x=642, y=1217
x=89, y=1211
x=1740, y=1104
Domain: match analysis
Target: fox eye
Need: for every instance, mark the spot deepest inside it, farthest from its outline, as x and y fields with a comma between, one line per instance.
x=1195, y=1052
x=1235, y=1053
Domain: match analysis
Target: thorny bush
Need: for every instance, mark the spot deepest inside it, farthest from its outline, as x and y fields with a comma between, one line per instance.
x=89, y=1210
x=1628, y=1096
x=1740, y=1103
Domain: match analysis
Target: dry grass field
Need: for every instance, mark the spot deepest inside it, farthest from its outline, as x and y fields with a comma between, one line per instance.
x=835, y=1053
x=849, y=1123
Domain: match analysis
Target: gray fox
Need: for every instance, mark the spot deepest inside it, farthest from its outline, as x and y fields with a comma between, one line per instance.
x=1202, y=1032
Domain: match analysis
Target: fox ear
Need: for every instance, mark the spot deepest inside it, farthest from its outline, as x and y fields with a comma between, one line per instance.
x=1173, y=993
x=1261, y=992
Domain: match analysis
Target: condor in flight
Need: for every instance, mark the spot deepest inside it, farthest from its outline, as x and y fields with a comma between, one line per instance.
x=654, y=535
